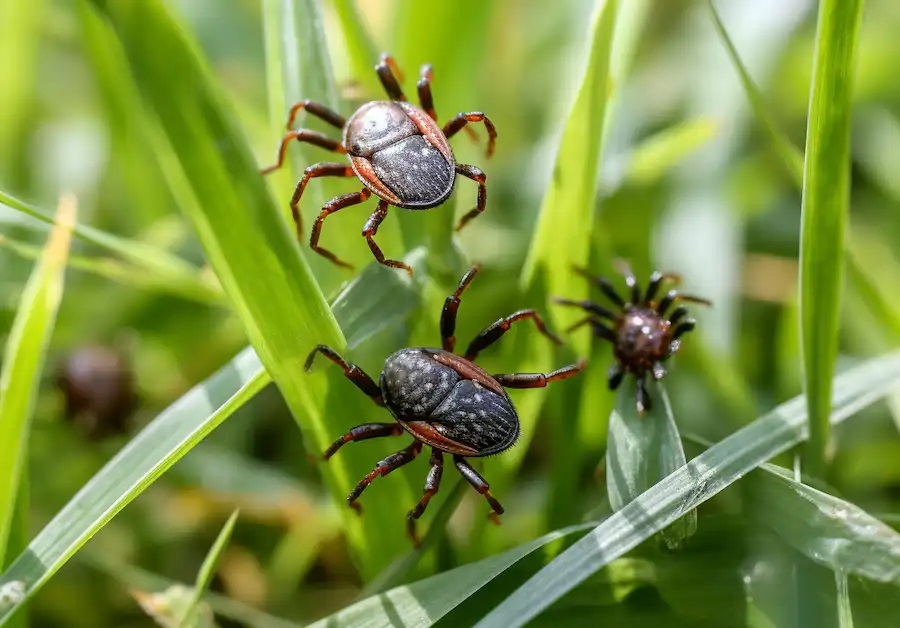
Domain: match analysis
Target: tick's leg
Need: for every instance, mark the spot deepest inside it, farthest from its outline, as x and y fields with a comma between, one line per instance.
x=659, y=371
x=643, y=399
x=336, y=204
x=603, y=284
x=451, y=306
x=432, y=484
x=683, y=328
x=424, y=88
x=390, y=76
x=537, y=380
x=351, y=372
x=320, y=111
x=656, y=279
x=324, y=169
x=394, y=461
x=614, y=376
x=369, y=231
x=480, y=485
x=624, y=269
x=492, y=333
x=477, y=175
x=304, y=135
x=589, y=306
x=673, y=295
x=364, y=432
x=677, y=314
x=460, y=120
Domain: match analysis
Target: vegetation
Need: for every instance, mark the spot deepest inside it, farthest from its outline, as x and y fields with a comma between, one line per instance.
x=750, y=147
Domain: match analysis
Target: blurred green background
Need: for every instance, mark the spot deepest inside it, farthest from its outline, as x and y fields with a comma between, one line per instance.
x=688, y=182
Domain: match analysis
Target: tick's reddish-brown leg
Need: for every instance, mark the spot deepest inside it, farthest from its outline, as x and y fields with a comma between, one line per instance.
x=304, y=135
x=390, y=76
x=364, y=432
x=451, y=306
x=477, y=175
x=369, y=231
x=480, y=485
x=460, y=120
x=320, y=111
x=324, y=169
x=537, y=380
x=492, y=333
x=432, y=484
x=394, y=461
x=424, y=89
x=336, y=204
x=588, y=306
x=602, y=284
x=351, y=372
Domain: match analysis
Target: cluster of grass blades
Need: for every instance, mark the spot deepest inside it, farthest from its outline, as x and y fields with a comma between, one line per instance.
x=587, y=557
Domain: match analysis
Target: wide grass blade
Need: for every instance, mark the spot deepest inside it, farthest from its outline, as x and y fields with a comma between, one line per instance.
x=23, y=361
x=659, y=153
x=209, y=567
x=563, y=234
x=140, y=463
x=641, y=450
x=829, y=530
x=824, y=210
x=702, y=478
x=423, y=603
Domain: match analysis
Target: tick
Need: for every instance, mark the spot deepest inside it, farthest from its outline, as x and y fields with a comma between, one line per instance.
x=643, y=332
x=445, y=401
x=397, y=151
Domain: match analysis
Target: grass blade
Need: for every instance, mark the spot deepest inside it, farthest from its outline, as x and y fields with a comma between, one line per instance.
x=661, y=152
x=140, y=463
x=23, y=361
x=423, y=603
x=360, y=48
x=642, y=450
x=563, y=233
x=824, y=211
x=699, y=480
x=208, y=568
x=827, y=529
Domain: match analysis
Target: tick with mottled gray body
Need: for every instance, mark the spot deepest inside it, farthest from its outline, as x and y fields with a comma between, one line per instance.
x=643, y=332
x=396, y=150
x=445, y=401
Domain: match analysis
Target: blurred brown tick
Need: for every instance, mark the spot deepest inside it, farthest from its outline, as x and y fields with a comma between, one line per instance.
x=445, y=401
x=396, y=150
x=643, y=332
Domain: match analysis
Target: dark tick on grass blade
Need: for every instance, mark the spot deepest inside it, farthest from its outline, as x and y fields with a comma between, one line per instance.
x=445, y=401
x=395, y=149
x=642, y=330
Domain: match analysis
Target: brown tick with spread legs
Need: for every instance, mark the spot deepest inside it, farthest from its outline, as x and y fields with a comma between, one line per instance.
x=396, y=150
x=643, y=332
x=445, y=401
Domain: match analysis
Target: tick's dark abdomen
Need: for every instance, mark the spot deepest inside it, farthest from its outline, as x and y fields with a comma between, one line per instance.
x=419, y=389
x=391, y=136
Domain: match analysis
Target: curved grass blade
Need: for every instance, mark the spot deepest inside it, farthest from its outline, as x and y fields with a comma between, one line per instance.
x=563, y=234
x=641, y=450
x=790, y=156
x=829, y=530
x=824, y=210
x=140, y=463
x=23, y=361
x=208, y=569
x=702, y=478
x=425, y=602
x=662, y=151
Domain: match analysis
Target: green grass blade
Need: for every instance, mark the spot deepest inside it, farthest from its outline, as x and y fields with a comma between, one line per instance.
x=661, y=152
x=141, y=254
x=829, y=530
x=642, y=450
x=23, y=361
x=208, y=568
x=361, y=49
x=423, y=603
x=563, y=234
x=246, y=239
x=845, y=611
x=703, y=477
x=146, y=457
x=790, y=156
x=824, y=211
x=21, y=23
